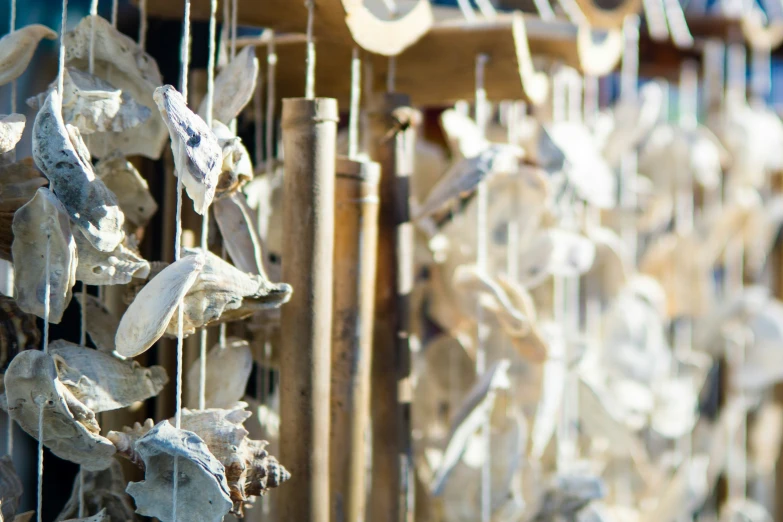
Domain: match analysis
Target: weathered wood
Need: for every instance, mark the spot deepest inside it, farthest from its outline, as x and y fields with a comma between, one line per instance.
x=309, y=141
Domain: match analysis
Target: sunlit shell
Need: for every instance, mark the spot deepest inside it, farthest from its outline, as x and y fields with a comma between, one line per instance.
x=117, y=267
x=234, y=359
x=236, y=167
x=463, y=135
x=234, y=86
x=11, y=129
x=238, y=231
x=41, y=225
x=17, y=48
x=70, y=430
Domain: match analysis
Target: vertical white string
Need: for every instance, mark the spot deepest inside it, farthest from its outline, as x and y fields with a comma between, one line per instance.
x=760, y=81
x=143, y=24
x=271, y=70
x=9, y=268
x=234, y=16
x=487, y=9
x=629, y=85
x=114, y=12
x=353, y=114
x=391, y=74
x=42, y=400
x=467, y=10
x=91, y=52
x=12, y=29
x=310, y=58
x=258, y=117
x=83, y=326
x=61, y=58
x=81, y=492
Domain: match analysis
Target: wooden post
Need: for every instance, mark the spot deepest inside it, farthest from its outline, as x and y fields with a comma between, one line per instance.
x=355, y=243
x=309, y=141
x=392, y=486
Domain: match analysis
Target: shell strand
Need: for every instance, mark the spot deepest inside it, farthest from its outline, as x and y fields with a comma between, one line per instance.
x=310, y=57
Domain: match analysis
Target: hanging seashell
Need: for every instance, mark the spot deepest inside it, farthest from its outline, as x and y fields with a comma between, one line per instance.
x=104, y=382
x=70, y=430
x=568, y=493
x=61, y=155
x=104, y=491
x=223, y=293
x=102, y=326
x=11, y=129
x=234, y=87
x=18, y=331
x=202, y=492
x=125, y=440
x=120, y=61
x=10, y=488
x=197, y=154
x=108, y=268
x=93, y=105
x=553, y=385
x=17, y=48
x=39, y=223
x=234, y=359
x=462, y=134
x=145, y=320
x=239, y=235
x=555, y=252
x=236, y=167
x=131, y=189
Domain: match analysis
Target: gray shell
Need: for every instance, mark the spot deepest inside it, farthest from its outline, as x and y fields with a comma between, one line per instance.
x=117, y=267
x=61, y=155
x=202, y=494
x=17, y=49
x=102, y=324
x=10, y=489
x=197, y=155
x=234, y=87
x=238, y=231
x=11, y=129
x=132, y=191
x=104, y=382
x=43, y=216
x=94, y=105
x=70, y=429
x=236, y=169
x=119, y=60
x=228, y=370
x=103, y=490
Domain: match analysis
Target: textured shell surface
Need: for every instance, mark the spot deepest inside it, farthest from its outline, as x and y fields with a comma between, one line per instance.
x=11, y=129
x=131, y=189
x=102, y=516
x=234, y=360
x=117, y=267
x=104, y=382
x=146, y=318
x=125, y=440
x=234, y=86
x=102, y=324
x=221, y=429
x=119, y=60
x=94, y=105
x=236, y=168
x=197, y=155
x=44, y=216
x=202, y=492
x=17, y=49
x=10, y=488
x=18, y=331
x=242, y=241
x=103, y=490
x=70, y=430
x=61, y=155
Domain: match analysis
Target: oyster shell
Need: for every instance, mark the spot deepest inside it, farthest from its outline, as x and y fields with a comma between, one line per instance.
x=104, y=491
x=147, y=317
x=18, y=331
x=104, y=382
x=102, y=324
x=119, y=60
x=70, y=430
x=131, y=189
x=238, y=231
x=202, y=493
x=234, y=87
x=17, y=48
x=236, y=360
x=108, y=268
x=94, y=105
x=197, y=154
x=10, y=488
x=11, y=129
x=60, y=154
x=40, y=222
x=236, y=167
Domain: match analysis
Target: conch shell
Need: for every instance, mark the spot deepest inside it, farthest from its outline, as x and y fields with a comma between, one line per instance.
x=17, y=48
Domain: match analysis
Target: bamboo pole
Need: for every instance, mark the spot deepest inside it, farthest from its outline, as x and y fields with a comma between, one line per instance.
x=392, y=484
x=309, y=141
x=355, y=243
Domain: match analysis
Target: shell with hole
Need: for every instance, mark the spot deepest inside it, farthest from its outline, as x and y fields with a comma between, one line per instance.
x=202, y=491
x=17, y=48
x=40, y=226
x=70, y=430
x=198, y=156
x=61, y=155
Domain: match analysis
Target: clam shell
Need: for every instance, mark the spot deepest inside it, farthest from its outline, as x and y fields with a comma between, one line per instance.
x=202, y=493
x=69, y=427
x=197, y=154
x=131, y=189
x=11, y=129
x=234, y=86
x=61, y=155
x=117, y=267
x=145, y=320
x=104, y=491
x=236, y=360
x=119, y=60
x=104, y=382
x=18, y=331
x=43, y=220
x=17, y=48
x=10, y=488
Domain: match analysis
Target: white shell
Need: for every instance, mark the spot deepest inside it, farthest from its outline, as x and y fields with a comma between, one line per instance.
x=101, y=324
x=236, y=169
x=132, y=191
x=228, y=370
x=11, y=129
x=94, y=105
x=119, y=60
x=238, y=231
x=104, y=382
x=108, y=268
x=202, y=492
x=43, y=216
x=69, y=429
x=60, y=154
x=234, y=87
x=462, y=134
x=685, y=492
x=197, y=155
x=146, y=318
x=17, y=48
